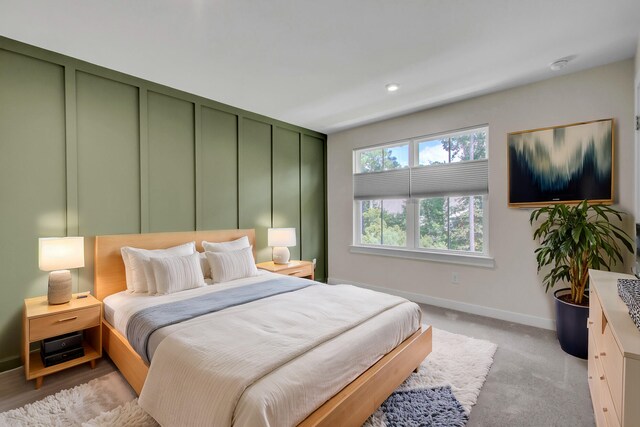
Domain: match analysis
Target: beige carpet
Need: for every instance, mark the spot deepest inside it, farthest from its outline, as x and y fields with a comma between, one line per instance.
x=457, y=361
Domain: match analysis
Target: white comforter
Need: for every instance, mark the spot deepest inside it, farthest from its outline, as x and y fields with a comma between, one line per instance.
x=273, y=361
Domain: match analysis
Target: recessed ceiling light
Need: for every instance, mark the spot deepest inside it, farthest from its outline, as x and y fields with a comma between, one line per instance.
x=392, y=87
x=561, y=63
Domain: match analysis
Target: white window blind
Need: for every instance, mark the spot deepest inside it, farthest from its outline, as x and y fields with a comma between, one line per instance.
x=392, y=184
x=450, y=179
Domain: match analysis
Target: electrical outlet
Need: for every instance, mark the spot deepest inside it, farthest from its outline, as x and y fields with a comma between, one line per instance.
x=455, y=278
x=315, y=261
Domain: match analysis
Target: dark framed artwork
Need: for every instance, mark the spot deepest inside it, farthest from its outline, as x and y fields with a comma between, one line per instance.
x=561, y=164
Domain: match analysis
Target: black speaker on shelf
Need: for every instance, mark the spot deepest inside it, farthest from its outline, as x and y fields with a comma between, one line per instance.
x=62, y=356
x=61, y=342
x=59, y=349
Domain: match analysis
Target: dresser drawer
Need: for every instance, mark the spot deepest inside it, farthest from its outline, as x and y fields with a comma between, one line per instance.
x=607, y=407
x=595, y=313
x=58, y=324
x=595, y=383
x=598, y=370
x=597, y=405
x=612, y=363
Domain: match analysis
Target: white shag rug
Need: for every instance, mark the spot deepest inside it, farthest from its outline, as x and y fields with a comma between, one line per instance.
x=458, y=361
x=75, y=406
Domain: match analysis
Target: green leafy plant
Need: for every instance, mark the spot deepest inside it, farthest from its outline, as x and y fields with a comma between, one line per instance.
x=574, y=239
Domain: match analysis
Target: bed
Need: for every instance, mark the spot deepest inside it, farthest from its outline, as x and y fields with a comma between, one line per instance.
x=350, y=402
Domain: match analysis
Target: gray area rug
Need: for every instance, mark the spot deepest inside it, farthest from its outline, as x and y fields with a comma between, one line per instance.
x=441, y=393
x=424, y=407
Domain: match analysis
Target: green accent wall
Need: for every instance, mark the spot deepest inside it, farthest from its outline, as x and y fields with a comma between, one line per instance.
x=254, y=182
x=286, y=182
x=108, y=145
x=218, y=181
x=171, y=163
x=32, y=183
x=313, y=201
x=85, y=150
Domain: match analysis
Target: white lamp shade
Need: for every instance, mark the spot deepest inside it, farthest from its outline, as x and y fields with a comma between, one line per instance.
x=282, y=237
x=61, y=253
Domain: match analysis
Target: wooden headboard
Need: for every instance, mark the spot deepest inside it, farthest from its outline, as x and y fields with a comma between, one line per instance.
x=109, y=267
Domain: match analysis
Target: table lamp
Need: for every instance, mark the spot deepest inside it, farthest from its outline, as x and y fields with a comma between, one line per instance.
x=58, y=255
x=280, y=239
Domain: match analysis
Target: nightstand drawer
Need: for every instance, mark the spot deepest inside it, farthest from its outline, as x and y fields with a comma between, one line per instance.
x=62, y=323
x=294, y=268
x=300, y=272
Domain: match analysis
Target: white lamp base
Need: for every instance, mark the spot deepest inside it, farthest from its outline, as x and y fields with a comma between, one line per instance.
x=281, y=255
x=59, y=287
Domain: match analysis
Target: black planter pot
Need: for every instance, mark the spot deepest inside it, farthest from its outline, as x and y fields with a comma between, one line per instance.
x=571, y=326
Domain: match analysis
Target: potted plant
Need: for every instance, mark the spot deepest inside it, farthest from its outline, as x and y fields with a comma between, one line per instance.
x=574, y=239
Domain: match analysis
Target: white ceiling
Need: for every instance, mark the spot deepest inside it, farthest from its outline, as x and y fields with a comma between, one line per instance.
x=324, y=64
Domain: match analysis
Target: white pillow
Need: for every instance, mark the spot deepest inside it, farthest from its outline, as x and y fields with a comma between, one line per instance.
x=234, y=245
x=138, y=270
x=177, y=273
x=204, y=264
x=232, y=265
x=127, y=269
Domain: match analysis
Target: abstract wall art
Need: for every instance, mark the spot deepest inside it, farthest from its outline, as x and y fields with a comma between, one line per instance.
x=562, y=164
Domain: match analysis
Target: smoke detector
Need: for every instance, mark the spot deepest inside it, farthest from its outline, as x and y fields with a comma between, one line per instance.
x=561, y=63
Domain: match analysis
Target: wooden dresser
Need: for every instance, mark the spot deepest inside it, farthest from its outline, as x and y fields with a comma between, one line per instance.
x=614, y=354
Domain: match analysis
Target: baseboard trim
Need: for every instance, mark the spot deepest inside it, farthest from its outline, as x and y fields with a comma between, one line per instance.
x=510, y=316
x=10, y=363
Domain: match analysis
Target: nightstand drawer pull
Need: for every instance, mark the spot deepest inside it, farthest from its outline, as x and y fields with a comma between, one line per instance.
x=67, y=319
x=291, y=273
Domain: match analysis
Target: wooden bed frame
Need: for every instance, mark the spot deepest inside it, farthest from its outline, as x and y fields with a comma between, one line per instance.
x=350, y=407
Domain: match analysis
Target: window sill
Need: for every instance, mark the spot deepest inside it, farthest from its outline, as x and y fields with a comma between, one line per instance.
x=448, y=258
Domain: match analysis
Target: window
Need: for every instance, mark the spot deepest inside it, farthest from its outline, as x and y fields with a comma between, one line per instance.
x=452, y=223
x=383, y=159
x=424, y=194
x=384, y=222
x=452, y=148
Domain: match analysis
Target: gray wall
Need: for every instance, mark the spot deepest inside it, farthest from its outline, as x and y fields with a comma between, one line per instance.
x=88, y=151
x=637, y=176
x=512, y=290
x=637, y=58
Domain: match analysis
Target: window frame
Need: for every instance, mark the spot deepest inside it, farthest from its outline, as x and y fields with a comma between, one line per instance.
x=412, y=250
x=485, y=227
x=357, y=209
x=357, y=151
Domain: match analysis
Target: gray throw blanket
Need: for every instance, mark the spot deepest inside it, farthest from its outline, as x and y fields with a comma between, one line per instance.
x=145, y=322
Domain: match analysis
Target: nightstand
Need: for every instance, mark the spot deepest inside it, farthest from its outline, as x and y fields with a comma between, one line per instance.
x=41, y=320
x=293, y=268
